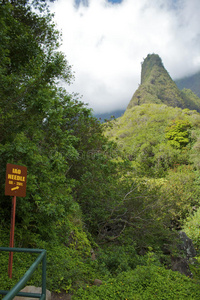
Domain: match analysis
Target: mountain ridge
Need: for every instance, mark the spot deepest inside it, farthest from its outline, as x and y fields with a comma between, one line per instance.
x=187, y=87
x=191, y=82
x=158, y=87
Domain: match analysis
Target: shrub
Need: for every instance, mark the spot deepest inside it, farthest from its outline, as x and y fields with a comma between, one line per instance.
x=145, y=282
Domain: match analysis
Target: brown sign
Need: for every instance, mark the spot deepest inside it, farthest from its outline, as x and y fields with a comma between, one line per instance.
x=15, y=180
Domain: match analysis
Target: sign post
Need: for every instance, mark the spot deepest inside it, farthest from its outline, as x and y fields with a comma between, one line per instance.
x=12, y=231
x=15, y=186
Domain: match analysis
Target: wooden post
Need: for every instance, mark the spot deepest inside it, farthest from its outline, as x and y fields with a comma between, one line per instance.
x=12, y=232
x=16, y=187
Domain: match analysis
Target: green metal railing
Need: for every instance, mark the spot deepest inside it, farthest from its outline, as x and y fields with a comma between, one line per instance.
x=22, y=282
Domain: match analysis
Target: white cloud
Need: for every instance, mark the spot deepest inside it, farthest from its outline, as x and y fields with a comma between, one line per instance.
x=105, y=44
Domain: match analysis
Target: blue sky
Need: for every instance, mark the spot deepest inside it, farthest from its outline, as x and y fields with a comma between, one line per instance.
x=115, y=1
x=105, y=41
x=85, y=2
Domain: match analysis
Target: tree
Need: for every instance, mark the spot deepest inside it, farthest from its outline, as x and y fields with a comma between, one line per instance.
x=33, y=112
x=178, y=133
x=48, y=130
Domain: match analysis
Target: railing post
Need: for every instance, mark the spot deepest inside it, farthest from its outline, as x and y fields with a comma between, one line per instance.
x=15, y=291
x=44, y=264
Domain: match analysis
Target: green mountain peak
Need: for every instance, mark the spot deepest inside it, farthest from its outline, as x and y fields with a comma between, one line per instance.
x=150, y=62
x=158, y=87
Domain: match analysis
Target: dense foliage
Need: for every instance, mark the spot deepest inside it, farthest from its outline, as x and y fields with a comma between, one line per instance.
x=103, y=205
x=146, y=282
x=72, y=179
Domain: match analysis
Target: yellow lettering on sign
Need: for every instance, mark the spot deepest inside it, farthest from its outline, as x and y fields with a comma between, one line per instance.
x=16, y=171
x=10, y=182
x=16, y=177
x=19, y=183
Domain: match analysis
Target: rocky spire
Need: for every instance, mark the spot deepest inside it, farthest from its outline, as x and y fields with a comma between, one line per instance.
x=158, y=87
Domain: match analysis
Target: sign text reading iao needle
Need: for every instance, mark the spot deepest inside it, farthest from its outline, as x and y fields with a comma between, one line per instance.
x=15, y=180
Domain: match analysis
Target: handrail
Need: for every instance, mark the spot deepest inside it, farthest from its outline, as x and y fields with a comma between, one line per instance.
x=21, y=283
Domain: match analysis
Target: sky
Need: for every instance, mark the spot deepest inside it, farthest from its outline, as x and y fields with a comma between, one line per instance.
x=105, y=42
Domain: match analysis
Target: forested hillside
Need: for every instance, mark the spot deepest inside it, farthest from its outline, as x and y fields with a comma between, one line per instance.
x=105, y=200
x=159, y=134
x=190, y=82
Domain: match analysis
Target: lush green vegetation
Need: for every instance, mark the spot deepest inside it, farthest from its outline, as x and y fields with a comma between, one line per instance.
x=144, y=282
x=118, y=191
